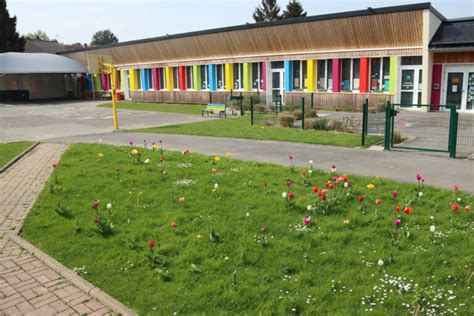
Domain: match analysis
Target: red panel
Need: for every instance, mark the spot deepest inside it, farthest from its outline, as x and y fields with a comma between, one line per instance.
x=436, y=81
x=182, y=78
x=156, y=79
x=336, y=75
x=364, y=75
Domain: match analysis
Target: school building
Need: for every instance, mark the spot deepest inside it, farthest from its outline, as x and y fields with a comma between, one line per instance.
x=407, y=54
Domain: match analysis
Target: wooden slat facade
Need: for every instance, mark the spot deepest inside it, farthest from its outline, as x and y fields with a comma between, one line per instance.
x=377, y=34
x=453, y=57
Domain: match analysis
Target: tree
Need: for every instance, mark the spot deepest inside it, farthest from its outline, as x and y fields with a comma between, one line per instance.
x=294, y=9
x=268, y=10
x=38, y=35
x=105, y=37
x=10, y=40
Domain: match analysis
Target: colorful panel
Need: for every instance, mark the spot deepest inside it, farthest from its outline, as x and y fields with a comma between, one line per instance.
x=212, y=77
x=197, y=77
x=336, y=75
x=288, y=75
x=144, y=79
x=311, y=75
x=247, y=77
x=436, y=84
x=156, y=78
x=364, y=74
x=169, y=78
x=182, y=77
x=393, y=74
x=264, y=75
x=229, y=77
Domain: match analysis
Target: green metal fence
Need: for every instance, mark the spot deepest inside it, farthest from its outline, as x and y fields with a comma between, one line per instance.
x=425, y=127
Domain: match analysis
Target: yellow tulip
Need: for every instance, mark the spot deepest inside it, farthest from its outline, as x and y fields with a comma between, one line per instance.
x=370, y=186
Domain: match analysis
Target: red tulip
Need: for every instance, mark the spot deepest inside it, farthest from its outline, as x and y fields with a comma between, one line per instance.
x=407, y=210
x=291, y=195
x=326, y=184
x=288, y=183
x=360, y=198
x=174, y=225
x=331, y=185
x=264, y=229
x=378, y=201
x=419, y=177
x=95, y=204
x=394, y=194
x=398, y=208
x=54, y=165
x=323, y=197
x=345, y=178
x=151, y=243
x=213, y=170
x=468, y=208
x=290, y=157
x=455, y=206
x=181, y=200
x=315, y=189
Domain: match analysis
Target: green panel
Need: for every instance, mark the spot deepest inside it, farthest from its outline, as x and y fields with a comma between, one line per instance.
x=393, y=74
x=247, y=77
x=197, y=77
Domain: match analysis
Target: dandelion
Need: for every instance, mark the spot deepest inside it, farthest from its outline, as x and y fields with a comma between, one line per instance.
x=307, y=220
x=217, y=158
x=228, y=154
x=154, y=146
x=100, y=155
x=370, y=186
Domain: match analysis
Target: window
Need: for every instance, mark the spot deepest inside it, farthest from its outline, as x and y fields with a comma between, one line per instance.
x=204, y=77
x=299, y=74
x=175, y=78
x=411, y=60
x=380, y=74
x=329, y=74
x=220, y=69
x=238, y=76
x=189, y=78
x=149, y=76
x=257, y=81
x=278, y=65
x=346, y=74
x=321, y=76
x=138, y=79
x=161, y=72
x=356, y=74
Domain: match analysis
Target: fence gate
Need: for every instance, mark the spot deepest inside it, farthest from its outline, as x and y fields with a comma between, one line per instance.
x=421, y=127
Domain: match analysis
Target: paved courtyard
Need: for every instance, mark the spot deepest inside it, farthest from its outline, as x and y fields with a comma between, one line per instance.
x=31, y=283
x=58, y=119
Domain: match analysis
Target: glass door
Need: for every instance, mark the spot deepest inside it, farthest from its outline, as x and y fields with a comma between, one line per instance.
x=277, y=83
x=455, y=88
x=470, y=92
x=411, y=85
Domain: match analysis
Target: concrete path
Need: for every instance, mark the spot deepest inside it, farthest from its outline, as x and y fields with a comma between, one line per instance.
x=61, y=119
x=401, y=166
x=31, y=283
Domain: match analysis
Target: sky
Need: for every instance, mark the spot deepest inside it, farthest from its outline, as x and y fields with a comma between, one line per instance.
x=72, y=21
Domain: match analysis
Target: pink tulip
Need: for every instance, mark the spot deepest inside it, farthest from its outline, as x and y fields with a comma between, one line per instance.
x=307, y=220
x=378, y=201
x=397, y=222
x=419, y=177
x=456, y=187
x=455, y=206
x=468, y=208
x=394, y=194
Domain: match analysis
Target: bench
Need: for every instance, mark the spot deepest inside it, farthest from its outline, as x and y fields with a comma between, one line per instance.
x=213, y=108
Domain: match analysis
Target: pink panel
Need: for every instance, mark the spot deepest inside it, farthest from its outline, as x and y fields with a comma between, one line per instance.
x=436, y=81
x=264, y=75
x=336, y=75
x=156, y=79
x=105, y=82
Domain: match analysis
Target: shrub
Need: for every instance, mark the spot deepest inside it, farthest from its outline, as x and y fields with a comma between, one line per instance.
x=308, y=123
x=260, y=108
x=320, y=125
x=286, y=119
x=335, y=125
x=298, y=115
x=311, y=113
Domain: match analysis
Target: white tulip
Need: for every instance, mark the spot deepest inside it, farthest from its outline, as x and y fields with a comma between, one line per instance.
x=216, y=186
x=346, y=184
x=147, y=161
x=432, y=228
x=380, y=262
x=283, y=195
x=309, y=207
x=420, y=194
x=109, y=206
x=247, y=215
x=310, y=162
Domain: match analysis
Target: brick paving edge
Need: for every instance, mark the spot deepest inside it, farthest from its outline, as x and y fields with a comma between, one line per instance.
x=73, y=278
x=21, y=155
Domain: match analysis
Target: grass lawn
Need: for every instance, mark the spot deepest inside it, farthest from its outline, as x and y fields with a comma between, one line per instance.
x=9, y=151
x=240, y=128
x=241, y=248
x=159, y=107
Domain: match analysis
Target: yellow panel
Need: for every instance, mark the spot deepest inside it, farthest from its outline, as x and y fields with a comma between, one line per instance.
x=311, y=75
x=229, y=77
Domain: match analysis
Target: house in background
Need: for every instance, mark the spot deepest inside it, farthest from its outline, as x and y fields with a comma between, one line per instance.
x=42, y=46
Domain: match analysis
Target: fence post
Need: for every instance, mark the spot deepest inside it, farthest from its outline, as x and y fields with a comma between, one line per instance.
x=251, y=110
x=302, y=113
x=210, y=97
x=453, y=132
x=365, y=121
x=241, y=106
x=388, y=129
x=312, y=99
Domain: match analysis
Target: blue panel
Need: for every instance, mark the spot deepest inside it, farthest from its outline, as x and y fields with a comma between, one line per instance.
x=144, y=79
x=288, y=75
x=212, y=77
x=89, y=82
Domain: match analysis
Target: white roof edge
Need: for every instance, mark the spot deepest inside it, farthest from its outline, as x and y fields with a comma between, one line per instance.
x=38, y=63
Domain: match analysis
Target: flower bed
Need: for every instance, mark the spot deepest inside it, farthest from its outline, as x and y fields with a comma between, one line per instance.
x=168, y=232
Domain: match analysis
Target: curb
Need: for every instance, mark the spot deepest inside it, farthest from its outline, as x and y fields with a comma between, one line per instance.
x=21, y=155
x=73, y=278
